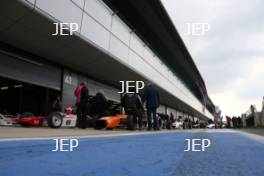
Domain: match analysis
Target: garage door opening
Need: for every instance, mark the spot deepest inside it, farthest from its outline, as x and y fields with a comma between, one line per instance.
x=18, y=97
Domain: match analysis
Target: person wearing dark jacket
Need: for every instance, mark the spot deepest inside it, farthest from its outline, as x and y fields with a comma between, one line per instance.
x=234, y=121
x=84, y=107
x=56, y=104
x=171, y=117
x=98, y=106
x=239, y=122
x=134, y=108
x=152, y=99
x=228, y=119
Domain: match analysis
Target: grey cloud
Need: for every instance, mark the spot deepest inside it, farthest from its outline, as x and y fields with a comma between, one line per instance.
x=227, y=52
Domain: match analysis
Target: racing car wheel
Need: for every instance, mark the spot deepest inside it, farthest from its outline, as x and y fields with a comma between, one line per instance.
x=55, y=120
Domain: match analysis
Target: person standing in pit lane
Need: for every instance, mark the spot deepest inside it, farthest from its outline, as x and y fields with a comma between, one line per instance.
x=239, y=122
x=77, y=94
x=98, y=106
x=85, y=106
x=152, y=98
x=234, y=121
x=56, y=104
x=82, y=102
x=228, y=119
x=134, y=109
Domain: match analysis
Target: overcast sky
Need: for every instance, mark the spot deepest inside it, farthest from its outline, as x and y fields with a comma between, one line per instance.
x=230, y=56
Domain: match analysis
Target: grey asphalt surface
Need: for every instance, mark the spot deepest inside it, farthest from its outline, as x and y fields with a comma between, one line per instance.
x=258, y=131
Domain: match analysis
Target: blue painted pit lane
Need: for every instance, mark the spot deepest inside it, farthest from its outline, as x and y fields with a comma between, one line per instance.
x=160, y=154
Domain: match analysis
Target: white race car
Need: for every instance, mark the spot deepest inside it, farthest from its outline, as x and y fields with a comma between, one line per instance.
x=66, y=119
x=6, y=119
x=211, y=126
x=177, y=124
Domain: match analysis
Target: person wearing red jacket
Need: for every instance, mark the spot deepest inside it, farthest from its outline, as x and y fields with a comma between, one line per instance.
x=82, y=102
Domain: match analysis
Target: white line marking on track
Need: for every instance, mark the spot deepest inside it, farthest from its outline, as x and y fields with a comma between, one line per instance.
x=100, y=135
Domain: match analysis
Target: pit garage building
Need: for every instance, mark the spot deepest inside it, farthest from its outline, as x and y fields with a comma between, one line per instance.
x=116, y=40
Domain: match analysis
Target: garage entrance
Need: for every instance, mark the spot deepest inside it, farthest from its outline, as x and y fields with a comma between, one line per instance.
x=18, y=97
x=27, y=83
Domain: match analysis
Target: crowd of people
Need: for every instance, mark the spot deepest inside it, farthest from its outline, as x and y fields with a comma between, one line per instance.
x=132, y=103
x=234, y=122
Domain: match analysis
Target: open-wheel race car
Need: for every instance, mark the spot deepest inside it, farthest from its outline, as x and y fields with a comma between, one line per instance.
x=54, y=120
x=111, y=122
x=6, y=119
x=59, y=119
x=28, y=119
x=62, y=119
x=69, y=119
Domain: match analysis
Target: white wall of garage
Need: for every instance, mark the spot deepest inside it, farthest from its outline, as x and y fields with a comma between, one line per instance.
x=71, y=81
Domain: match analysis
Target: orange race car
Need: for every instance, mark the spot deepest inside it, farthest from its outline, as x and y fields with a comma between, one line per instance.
x=111, y=122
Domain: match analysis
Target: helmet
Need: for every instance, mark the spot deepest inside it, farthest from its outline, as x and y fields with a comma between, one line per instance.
x=68, y=110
